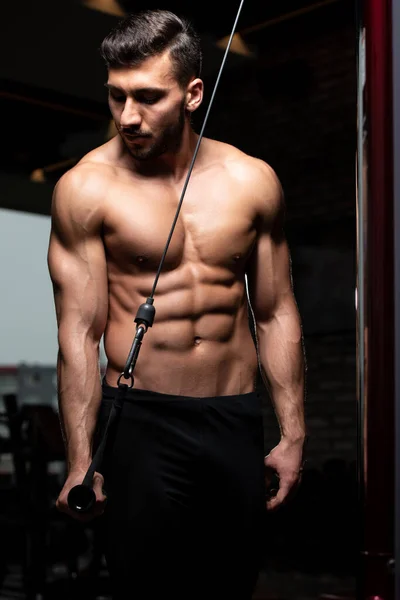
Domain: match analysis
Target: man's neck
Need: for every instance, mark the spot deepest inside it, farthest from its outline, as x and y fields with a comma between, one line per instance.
x=173, y=165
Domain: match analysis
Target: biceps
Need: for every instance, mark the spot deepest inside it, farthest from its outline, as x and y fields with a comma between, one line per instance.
x=79, y=278
x=269, y=278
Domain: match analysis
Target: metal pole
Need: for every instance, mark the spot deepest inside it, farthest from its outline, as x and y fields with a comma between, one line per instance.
x=375, y=304
x=396, y=182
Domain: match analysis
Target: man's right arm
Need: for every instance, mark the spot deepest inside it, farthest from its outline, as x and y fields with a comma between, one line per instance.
x=77, y=267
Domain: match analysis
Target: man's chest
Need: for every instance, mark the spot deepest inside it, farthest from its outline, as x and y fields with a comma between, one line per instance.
x=215, y=226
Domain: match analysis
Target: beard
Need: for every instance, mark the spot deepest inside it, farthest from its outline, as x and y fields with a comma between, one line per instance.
x=169, y=140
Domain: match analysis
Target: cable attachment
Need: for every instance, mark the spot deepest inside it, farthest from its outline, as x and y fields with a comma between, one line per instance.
x=144, y=319
x=134, y=351
x=146, y=313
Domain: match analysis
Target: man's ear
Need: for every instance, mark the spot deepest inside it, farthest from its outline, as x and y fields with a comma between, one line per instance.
x=194, y=94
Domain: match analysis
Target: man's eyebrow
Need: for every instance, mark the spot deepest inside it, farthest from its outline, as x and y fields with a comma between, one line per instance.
x=152, y=90
x=149, y=89
x=110, y=86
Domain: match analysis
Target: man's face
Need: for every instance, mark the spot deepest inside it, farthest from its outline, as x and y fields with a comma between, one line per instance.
x=148, y=107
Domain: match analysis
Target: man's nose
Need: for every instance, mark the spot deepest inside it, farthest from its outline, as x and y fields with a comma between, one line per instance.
x=130, y=116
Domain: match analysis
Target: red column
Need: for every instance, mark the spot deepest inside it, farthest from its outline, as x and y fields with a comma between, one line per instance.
x=377, y=402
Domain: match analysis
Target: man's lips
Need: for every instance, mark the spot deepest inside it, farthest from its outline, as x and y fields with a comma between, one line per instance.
x=135, y=137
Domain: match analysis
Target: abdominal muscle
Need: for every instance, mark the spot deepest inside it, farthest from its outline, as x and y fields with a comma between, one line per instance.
x=186, y=352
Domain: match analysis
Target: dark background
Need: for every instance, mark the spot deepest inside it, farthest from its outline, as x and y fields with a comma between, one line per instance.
x=291, y=102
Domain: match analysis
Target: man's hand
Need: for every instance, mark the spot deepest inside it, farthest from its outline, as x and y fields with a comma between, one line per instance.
x=285, y=462
x=76, y=478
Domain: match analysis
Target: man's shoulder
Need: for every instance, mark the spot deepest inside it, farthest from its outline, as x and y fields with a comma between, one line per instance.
x=87, y=180
x=81, y=191
x=243, y=166
x=256, y=178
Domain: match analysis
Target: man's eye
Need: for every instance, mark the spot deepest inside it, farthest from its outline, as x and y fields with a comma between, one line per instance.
x=117, y=98
x=149, y=99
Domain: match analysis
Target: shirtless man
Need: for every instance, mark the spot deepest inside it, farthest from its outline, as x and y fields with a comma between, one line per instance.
x=185, y=479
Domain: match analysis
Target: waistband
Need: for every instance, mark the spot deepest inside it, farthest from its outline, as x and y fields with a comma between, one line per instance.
x=109, y=393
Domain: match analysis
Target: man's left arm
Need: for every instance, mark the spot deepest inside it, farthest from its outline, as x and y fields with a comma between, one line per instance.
x=279, y=340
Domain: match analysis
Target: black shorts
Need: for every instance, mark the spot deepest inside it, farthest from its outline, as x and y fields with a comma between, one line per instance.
x=184, y=477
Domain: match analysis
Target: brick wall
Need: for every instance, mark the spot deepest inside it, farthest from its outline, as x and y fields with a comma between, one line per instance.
x=295, y=107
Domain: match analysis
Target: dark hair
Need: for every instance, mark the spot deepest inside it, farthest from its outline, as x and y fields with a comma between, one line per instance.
x=149, y=33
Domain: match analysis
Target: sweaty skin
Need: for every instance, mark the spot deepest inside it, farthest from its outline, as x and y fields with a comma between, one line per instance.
x=111, y=216
x=200, y=343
